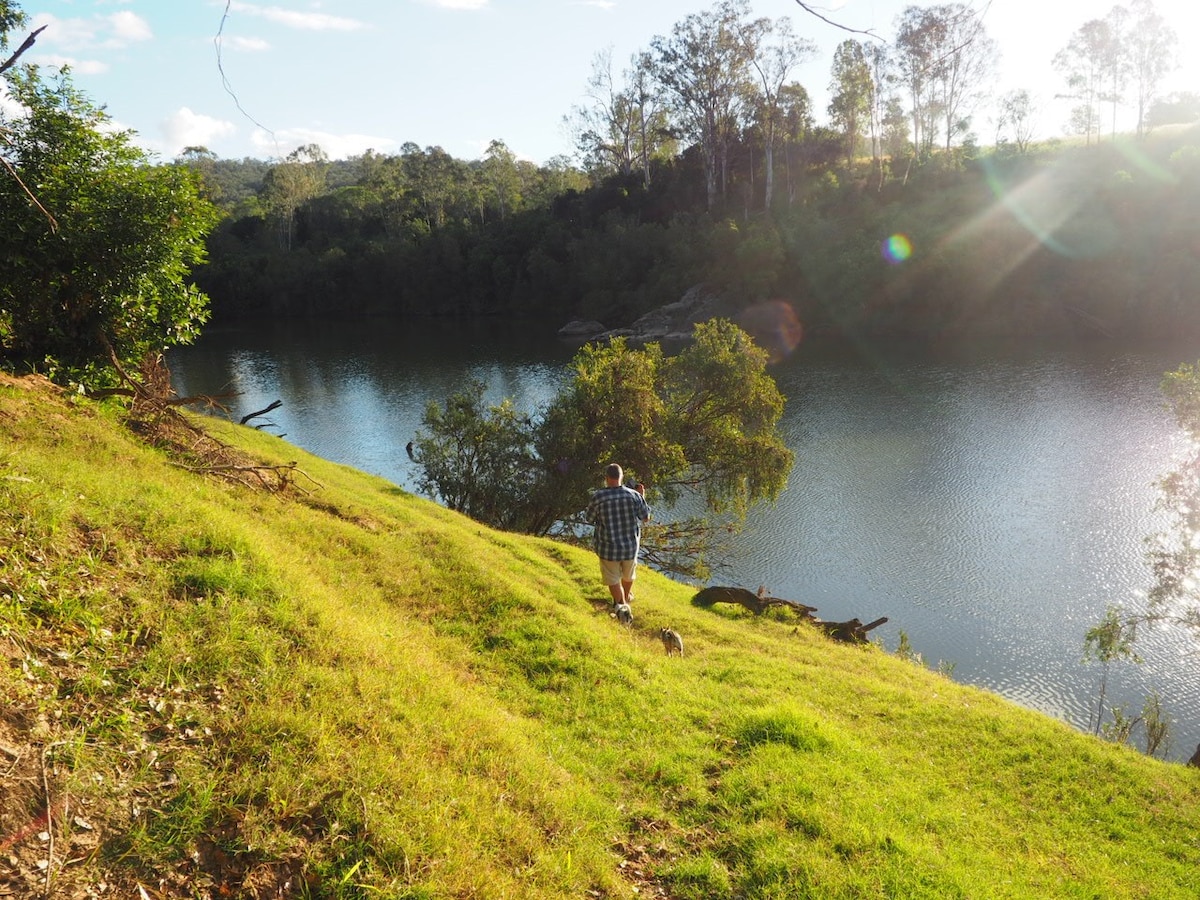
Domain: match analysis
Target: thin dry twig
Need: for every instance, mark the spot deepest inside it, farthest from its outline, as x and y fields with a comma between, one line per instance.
x=49, y=822
x=28, y=193
x=812, y=12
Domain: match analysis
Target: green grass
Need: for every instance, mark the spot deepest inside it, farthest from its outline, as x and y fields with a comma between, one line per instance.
x=352, y=692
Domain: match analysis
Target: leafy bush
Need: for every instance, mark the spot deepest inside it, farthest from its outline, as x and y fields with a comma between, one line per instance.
x=98, y=242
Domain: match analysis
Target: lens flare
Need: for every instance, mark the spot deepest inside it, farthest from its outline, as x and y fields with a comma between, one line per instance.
x=897, y=248
x=774, y=326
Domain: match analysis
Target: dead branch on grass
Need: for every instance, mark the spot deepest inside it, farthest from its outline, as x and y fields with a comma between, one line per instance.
x=154, y=413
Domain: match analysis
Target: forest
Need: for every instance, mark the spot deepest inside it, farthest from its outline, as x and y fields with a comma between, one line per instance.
x=702, y=163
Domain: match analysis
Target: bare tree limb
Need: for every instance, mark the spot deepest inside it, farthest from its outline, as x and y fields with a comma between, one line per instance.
x=262, y=412
x=28, y=193
x=812, y=12
x=29, y=42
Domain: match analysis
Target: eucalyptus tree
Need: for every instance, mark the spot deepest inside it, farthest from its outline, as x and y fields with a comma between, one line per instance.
x=204, y=162
x=704, y=68
x=1180, y=108
x=1017, y=113
x=442, y=188
x=852, y=92
x=795, y=124
x=879, y=64
x=605, y=127
x=1116, y=61
x=774, y=50
x=1173, y=554
x=946, y=59
x=623, y=125
x=1151, y=47
x=291, y=183
x=917, y=51
x=1082, y=64
x=502, y=175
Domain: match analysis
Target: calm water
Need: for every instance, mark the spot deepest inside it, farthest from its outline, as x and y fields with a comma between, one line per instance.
x=991, y=504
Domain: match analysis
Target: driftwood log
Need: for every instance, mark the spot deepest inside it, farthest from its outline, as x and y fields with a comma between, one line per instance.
x=851, y=632
x=757, y=603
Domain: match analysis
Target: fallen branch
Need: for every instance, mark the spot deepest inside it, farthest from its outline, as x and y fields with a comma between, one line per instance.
x=50, y=818
x=262, y=412
x=851, y=632
x=756, y=603
x=283, y=474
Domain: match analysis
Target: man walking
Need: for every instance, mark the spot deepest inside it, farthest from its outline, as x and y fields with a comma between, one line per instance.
x=618, y=513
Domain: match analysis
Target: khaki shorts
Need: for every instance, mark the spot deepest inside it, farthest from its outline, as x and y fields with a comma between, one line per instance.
x=614, y=571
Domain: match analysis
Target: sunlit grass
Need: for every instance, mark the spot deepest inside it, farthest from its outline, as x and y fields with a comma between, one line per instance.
x=358, y=693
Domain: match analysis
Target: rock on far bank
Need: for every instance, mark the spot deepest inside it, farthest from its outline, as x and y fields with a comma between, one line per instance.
x=671, y=323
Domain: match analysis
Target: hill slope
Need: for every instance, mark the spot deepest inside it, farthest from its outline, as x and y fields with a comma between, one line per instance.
x=341, y=690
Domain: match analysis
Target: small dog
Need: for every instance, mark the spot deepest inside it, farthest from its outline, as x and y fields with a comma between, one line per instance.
x=672, y=642
x=624, y=614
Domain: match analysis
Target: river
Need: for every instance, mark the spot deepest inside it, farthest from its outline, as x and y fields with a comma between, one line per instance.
x=990, y=501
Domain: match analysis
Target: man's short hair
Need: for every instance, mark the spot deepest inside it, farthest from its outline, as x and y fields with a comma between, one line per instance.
x=613, y=472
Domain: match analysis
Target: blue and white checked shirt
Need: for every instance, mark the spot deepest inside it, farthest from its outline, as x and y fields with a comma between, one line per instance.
x=618, y=514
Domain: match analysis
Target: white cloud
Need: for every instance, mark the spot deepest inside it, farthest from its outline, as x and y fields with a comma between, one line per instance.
x=307, y=21
x=336, y=146
x=128, y=27
x=77, y=66
x=247, y=44
x=117, y=30
x=461, y=4
x=185, y=128
x=9, y=107
x=68, y=33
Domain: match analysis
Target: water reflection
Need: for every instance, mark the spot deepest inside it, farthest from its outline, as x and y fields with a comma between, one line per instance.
x=991, y=504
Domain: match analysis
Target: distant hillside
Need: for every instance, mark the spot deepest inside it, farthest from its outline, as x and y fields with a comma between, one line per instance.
x=1056, y=242
x=284, y=678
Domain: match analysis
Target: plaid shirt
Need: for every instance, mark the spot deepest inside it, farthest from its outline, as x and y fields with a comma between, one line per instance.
x=618, y=513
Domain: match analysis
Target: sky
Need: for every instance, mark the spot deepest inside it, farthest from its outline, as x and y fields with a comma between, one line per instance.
x=259, y=79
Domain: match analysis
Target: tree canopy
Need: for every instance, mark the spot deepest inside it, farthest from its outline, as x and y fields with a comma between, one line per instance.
x=99, y=243
x=698, y=427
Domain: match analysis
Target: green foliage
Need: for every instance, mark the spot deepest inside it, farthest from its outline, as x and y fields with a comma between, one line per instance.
x=11, y=17
x=698, y=427
x=1110, y=640
x=1173, y=553
x=476, y=460
x=98, y=242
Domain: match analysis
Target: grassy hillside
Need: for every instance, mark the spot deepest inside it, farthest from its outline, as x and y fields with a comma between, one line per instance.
x=338, y=689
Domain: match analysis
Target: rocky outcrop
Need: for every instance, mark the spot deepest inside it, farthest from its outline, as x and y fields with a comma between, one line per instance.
x=672, y=323
x=582, y=330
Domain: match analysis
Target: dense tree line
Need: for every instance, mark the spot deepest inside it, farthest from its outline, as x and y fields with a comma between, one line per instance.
x=1043, y=242
x=701, y=163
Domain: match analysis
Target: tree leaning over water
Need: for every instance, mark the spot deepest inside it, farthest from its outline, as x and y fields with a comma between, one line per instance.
x=1174, y=554
x=699, y=428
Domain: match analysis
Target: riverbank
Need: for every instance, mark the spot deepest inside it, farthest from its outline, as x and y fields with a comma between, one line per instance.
x=214, y=687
